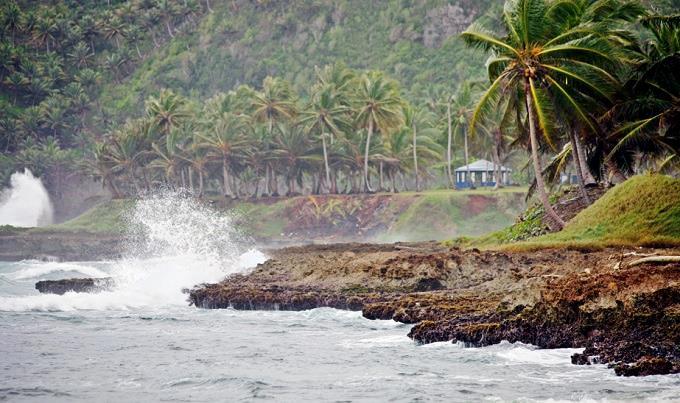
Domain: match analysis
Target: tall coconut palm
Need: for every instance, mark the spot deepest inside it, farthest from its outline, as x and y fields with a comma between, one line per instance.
x=275, y=104
x=226, y=141
x=419, y=122
x=378, y=106
x=536, y=58
x=461, y=105
x=325, y=115
x=294, y=155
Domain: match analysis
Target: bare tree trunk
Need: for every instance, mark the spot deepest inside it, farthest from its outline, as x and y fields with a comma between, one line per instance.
x=225, y=178
x=583, y=161
x=496, y=162
x=448, y=146
x=325, y=160
x=167, y=25
x=191, y=178
x=381, y=184
x=207, y=4
x=367, y=184
x=467, y=161
x=538, y=171
x=415, y=159
x=200, y=183
x=579, y=168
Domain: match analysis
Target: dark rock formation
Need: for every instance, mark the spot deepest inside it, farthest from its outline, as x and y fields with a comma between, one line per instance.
x=626, y=316
x=74, y=284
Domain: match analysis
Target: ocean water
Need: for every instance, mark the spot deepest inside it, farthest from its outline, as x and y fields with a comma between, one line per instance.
x=141, y=341
x=119, y=346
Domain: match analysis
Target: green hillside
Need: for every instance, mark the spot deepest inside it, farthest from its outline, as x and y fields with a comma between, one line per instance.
x=643, y=211
x=382, y=217
x=243, y=42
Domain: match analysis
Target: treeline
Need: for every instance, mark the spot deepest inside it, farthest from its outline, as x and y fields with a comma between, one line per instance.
x=355, y=133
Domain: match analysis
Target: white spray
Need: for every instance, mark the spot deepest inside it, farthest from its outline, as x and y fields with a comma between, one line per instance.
x=177, y=243
x=26, y=202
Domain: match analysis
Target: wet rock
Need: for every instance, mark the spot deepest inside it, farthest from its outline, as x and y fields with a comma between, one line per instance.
x=61, y=287
x=645, y=366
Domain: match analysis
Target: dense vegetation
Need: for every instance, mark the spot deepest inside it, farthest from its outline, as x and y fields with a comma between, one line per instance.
x=597, y=77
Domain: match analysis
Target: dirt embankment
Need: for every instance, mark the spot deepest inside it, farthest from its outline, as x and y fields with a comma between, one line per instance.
x=625, y=315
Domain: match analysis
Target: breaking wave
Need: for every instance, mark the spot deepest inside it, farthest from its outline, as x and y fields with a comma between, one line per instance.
x=176, y=243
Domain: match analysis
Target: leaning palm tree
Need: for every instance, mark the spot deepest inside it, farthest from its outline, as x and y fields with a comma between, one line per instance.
x=325, y=115
x=650, y=107
x=378, y=106
x=544, y=63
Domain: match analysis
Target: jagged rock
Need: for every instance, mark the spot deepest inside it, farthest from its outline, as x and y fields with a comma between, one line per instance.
x=620, y=314
x=61, y=287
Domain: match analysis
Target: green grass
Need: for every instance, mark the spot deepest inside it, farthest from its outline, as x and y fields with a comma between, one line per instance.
x=436, y=214
x=105, y=218
x=643, y=211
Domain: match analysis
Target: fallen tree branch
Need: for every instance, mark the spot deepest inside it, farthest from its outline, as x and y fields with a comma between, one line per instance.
x=655, y=259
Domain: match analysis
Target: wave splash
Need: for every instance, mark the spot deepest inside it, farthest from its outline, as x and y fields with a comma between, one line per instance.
x=25, y=203
x=176, y=242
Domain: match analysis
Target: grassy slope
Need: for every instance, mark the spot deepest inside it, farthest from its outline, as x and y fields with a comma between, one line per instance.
x=384, y=217
x=643, y=211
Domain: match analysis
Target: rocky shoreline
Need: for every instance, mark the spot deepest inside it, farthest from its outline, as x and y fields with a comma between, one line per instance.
x=625, y=313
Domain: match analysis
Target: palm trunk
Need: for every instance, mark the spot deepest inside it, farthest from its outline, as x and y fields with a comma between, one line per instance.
x=325, y=161
x=191, y=178
x=334, y=182
x=467, y=161
x=381, y=183
x=448, y=146
x=538, y=171
x=367, y=184
x=167, y=25
x=579, y=169
x=495, y=154
x=583, y=161
x=200, y=183
x=225, y=178
x=415, y=159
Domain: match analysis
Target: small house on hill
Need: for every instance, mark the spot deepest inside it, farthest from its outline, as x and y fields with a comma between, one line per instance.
x=482, y=173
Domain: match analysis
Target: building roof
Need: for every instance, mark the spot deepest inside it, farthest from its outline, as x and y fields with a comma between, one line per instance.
x=481, y=166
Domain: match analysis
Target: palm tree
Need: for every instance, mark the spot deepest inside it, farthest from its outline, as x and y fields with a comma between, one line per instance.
x=462, y=103
x=650, y=106
x=101, y=167
x=166, y=111
x=422, y=142
x=544, y=63
x=275, y=104
x=378, y=106
x=325, y=115
x=293, y=153
x=226, y=141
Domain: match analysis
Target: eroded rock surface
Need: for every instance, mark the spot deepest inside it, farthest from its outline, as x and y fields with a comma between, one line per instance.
x=624, y=315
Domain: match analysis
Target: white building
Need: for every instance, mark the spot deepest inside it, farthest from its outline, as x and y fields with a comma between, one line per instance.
x=482, y=173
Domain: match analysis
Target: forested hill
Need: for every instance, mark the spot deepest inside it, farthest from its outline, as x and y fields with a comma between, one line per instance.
x=242, y=42
x=72, y=71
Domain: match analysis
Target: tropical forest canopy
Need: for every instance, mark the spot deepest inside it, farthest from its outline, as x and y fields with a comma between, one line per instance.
x=253, y=98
